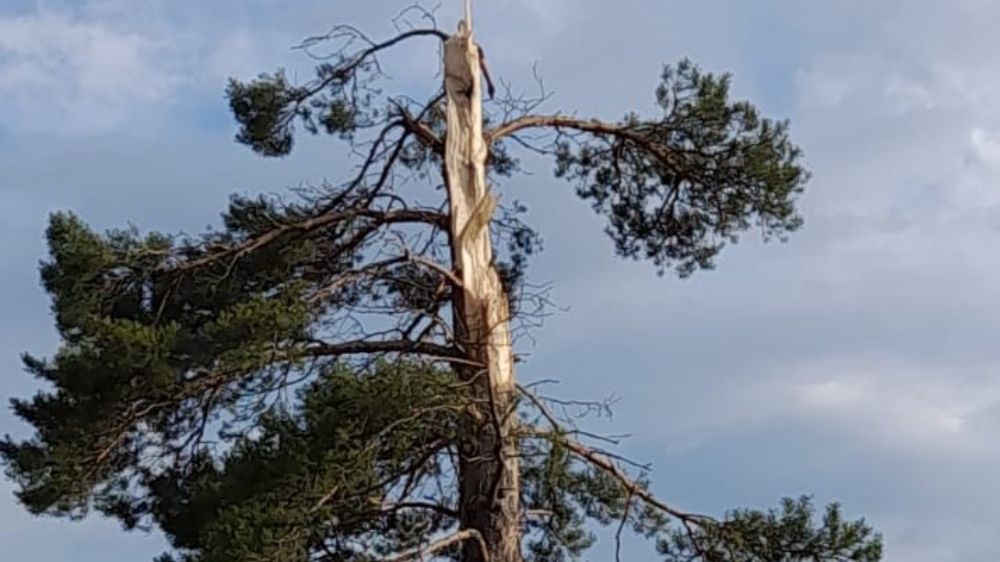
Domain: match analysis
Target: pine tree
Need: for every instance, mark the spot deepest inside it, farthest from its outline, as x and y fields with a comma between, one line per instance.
x=331, y=377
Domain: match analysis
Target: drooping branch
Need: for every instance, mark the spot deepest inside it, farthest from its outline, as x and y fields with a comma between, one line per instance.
x=603, y=462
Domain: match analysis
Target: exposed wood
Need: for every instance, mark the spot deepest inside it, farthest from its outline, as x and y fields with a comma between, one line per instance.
x=489, y=478
x=468, y=536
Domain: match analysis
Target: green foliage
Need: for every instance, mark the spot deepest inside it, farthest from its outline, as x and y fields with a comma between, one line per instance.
x=134, y=363
x=788, y=535
x=285, y=388
x=318, y=477
x=268, y=107
x=182, y=399
x=677, y=188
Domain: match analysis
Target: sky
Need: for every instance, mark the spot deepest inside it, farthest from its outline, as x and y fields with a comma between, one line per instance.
x=859, y=362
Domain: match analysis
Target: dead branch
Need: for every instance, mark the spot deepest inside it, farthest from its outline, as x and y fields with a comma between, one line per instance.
x=354, y=62
x=437, y=508
x=441, y=544
x=605, y=463
x=416, y=125
x=366, y=347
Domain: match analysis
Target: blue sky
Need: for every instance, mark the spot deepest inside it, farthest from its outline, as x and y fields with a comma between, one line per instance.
x=860, y=362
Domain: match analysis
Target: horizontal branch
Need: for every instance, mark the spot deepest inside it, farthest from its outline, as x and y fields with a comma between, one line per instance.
x=377, y=268
x=592, y=126
x=362, y=347
x=437, y=508
x=306, y=226
x=421, y=552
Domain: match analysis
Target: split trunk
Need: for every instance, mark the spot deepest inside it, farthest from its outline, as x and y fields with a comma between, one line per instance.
x=489, y=472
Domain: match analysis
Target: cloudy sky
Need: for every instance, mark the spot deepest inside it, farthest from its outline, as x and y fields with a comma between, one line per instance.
x=860, y=362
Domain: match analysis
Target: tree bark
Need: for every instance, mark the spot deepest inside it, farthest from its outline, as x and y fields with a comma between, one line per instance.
x=489, y=472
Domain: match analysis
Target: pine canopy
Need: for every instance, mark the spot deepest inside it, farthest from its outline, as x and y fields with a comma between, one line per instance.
x=290, y=387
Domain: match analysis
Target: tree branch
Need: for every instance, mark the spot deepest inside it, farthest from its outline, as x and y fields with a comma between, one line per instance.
x=592, y=126
x=416, y=125
x=358, y=59
x=603, y=462
x=364, y=347
x=441, y=544
x=306, y=226
x=437, y=508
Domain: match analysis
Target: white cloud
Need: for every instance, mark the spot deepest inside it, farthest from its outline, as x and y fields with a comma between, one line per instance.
x=986, y=145
x=908, y=408
x=59, y=73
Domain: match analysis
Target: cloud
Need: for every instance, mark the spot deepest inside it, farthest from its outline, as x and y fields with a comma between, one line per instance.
x=62, y=73
x=907, y=408
x=986, y=145
x=859, y=361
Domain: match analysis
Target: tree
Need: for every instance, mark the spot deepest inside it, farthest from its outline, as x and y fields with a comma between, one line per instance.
x=332, y=377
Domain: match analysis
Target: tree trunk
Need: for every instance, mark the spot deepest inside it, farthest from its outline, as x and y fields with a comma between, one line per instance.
x=489, y=472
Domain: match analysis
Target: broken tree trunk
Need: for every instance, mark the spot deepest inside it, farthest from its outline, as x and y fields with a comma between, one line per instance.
x=489, y=477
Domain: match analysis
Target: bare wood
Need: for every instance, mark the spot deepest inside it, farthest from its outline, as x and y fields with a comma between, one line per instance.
x=464, y=535
x=555, y=121
x=489, y=472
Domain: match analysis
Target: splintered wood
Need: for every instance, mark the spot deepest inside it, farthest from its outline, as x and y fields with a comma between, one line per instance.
x=489, y=468
x=472, y=205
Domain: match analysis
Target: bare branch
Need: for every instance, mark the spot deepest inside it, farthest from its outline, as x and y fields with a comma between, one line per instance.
x=621, y=527
x=364, y=347
x=416, y=125
x=604, y=462
x=360, y=58
x=441, y=544
x=437, y=508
